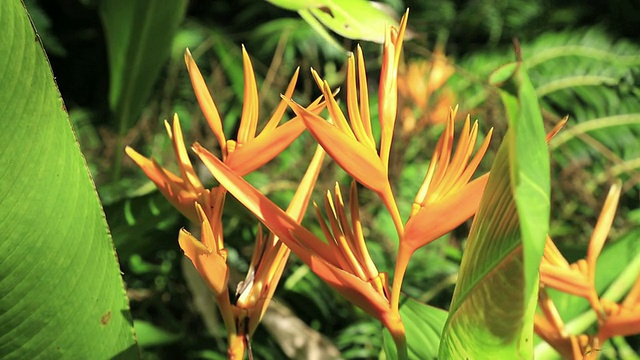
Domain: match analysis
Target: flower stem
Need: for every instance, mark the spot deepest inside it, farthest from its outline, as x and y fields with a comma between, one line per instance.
x=402, y=262
x=401, y=346
x=393, y=322
x=237, y=347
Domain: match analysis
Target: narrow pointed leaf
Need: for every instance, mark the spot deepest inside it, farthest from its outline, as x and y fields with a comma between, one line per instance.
x=491, y=315
x=61, y=293
x=138, y=35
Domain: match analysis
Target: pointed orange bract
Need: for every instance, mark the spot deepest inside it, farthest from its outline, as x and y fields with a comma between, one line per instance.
x=388, y=89
x=579, y=279
x=353, y=147
x=446, y=198
x=182, y=191
x=251, y=150
x=208, y=256
x=343, y=262
x=187, y=194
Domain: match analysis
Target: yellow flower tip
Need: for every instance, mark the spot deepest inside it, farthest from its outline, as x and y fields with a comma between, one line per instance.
x=603, y=225
x=188, y=58
x=250, y=106
x=134, y=155
x=210, y=264
x=317, y=78
x=398, y=35
x=205, y=100
x=189, y=176
x=167, y=128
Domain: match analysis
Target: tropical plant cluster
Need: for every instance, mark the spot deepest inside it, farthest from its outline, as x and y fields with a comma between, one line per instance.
x=320, y=179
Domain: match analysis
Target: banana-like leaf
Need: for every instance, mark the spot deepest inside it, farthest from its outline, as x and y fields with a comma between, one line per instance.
x=352, y=19
x=61, y=293
x=423, y=324
x=138, y=35
x=491, y=315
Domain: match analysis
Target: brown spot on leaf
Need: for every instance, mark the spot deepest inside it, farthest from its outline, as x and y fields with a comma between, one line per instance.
x=104, y=320
x=325, y=9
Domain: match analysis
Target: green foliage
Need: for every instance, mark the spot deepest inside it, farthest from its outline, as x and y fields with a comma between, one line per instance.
x=352, y=19
x=138, y=34
x=62, y=293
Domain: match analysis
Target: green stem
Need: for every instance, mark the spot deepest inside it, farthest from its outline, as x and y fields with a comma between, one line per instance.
x=401, y=345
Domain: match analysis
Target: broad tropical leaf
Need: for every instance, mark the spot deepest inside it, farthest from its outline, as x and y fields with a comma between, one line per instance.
x=352, y=19
x=62, y=295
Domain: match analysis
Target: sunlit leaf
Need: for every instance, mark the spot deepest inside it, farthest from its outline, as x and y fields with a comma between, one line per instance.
x=62, y=295
x=353, y=19
x=491, y=315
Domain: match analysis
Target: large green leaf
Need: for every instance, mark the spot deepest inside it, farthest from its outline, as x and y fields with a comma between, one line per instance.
x=352, y=19
x=423, y=324
x=491, y=315
x=61, y=293
x=139, y=35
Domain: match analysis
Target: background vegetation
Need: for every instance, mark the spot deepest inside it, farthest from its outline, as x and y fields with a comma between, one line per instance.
x=583, y=59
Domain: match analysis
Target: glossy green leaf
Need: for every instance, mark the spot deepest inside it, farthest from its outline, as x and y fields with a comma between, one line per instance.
x=423, y=324
x=491, y=315
x=138, y=35
x=61, y=293
x=352, y=19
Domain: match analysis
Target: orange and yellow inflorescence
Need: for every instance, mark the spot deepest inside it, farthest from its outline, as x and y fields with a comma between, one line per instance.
x=448, y=196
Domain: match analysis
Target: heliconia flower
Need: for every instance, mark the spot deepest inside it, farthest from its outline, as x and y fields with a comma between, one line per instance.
x=351, y=144
x=245, y=155
x=251, y=150
x=209, y=256
x=182, y=191
x=420, y=106
x=203, y=206
x=579, y=279
x=622, y=319
x=342, y=262
x=270, y=255
x=447, y=196
x=549, y=326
